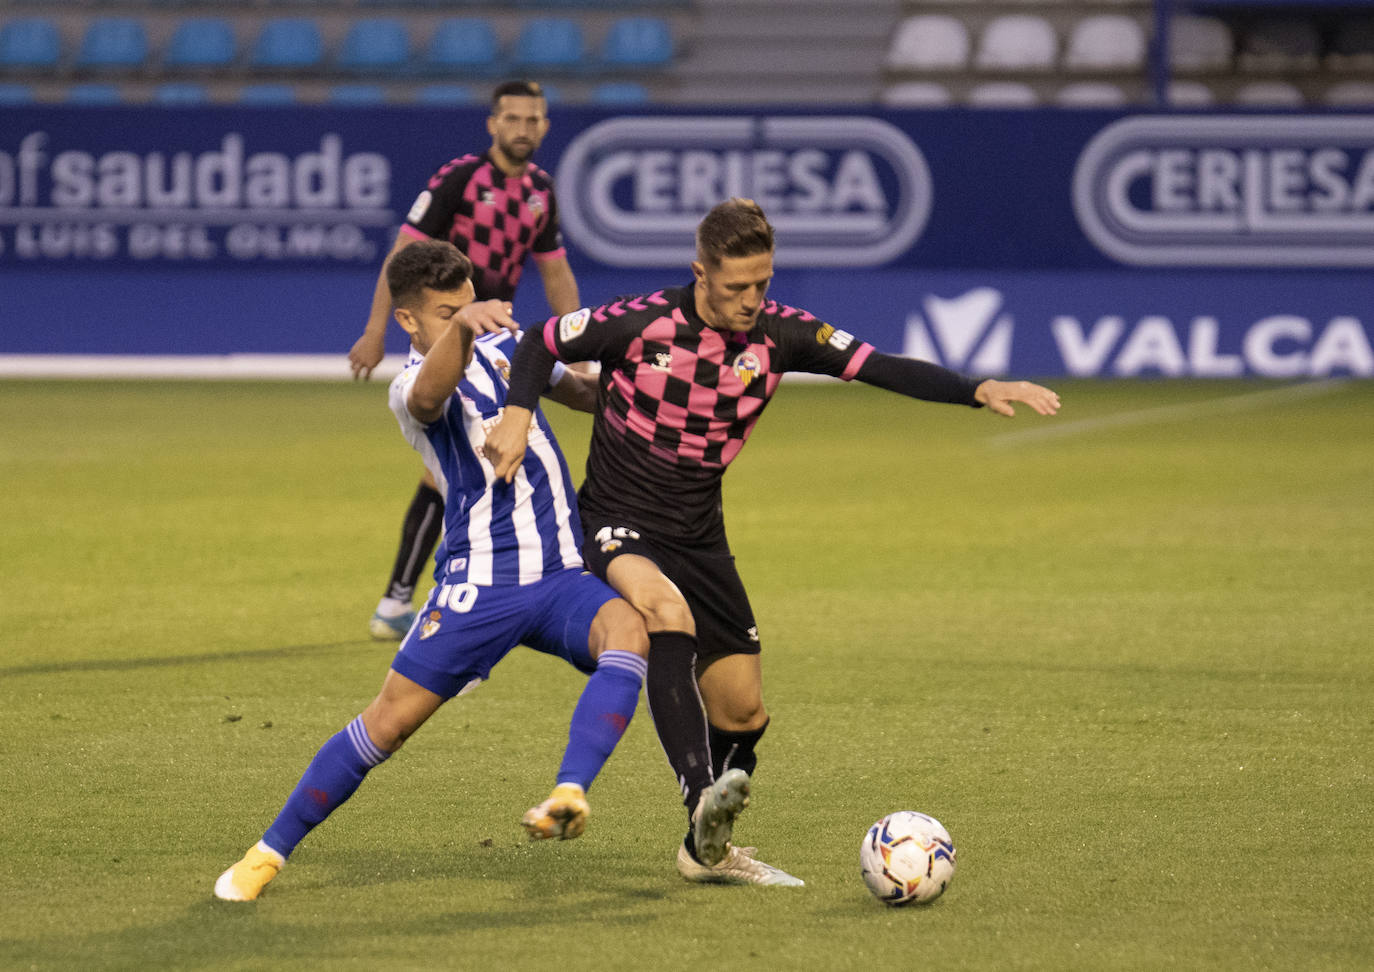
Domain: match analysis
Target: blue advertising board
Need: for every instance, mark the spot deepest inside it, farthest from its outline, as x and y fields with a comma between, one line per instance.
x=1027, y=242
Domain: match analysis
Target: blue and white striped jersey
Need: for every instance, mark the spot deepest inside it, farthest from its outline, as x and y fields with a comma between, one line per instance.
x=494, y=532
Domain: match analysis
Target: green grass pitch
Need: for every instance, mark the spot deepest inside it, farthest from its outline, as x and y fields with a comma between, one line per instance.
x=1129, y=663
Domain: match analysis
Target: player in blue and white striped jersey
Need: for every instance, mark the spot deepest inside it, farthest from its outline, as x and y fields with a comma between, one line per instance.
x=508, y=572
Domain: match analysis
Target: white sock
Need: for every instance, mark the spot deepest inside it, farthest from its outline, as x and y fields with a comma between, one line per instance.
x=390, y=607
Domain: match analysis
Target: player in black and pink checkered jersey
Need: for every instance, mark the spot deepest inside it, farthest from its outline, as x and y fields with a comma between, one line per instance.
x=498, y=208
x=686, y=372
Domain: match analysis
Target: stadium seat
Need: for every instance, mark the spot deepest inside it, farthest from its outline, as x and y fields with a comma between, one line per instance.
x=356, y=94
x=464, y=45
x=916, y=94
x=201, y=42
x=113, y=44
x=95, y=93
x=637, y=43
x=1352, y=46
x=445, y=94
x=929, y=42
x=549, y=43
x=1017, y=42
x=1199, y=44
x=1003, y=94
x=1352, y=94
x=16, y=94
x=1278, y=45
x=267, y=94
x=1107, y=42
x=620, y=93
x=288, y=43
x=1091, y=94
x=181, y=93
x=1190, y=94
x=29, y=43
x=1270, y=94
x=375, y=45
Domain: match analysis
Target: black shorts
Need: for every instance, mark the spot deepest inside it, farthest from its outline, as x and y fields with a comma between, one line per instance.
x=706, y=577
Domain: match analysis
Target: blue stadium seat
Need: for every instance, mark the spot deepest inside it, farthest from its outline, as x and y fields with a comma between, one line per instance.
x=375, y=45
x=113, y=44
x=356, y=94
x=288, y=43
x=464, y=45
x=620, y=93
x=549, y=44
x=445, y=94
x=29, y=43
x=181, y=93
x=16, y=94
x=95, y=93
x=202, y=42
x=267, y=94
x=638, y=42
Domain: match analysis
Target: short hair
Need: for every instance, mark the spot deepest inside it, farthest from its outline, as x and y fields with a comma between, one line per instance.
x=734, y=228
x=425, y=265
x=516, y=89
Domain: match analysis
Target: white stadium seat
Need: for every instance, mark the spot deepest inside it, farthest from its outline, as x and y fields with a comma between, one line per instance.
x=916, y=94
x=1017, y=42
x=1003, y=94
x=1354, y=94
x=930, y=42
x=1270, y=94
x=1090, y=94
x=1190, y=94
x=1199, y=44
x=1107, y=42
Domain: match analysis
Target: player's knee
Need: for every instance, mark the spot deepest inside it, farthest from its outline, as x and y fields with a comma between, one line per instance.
x=619, y=627
x=386, y=729
x=743, y=715
x=667, y=613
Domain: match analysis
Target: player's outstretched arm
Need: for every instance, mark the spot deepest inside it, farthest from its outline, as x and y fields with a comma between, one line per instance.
x=998, y=396
x=505, y=445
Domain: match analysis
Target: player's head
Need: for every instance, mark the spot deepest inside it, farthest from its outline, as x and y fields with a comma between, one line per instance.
x=429, y=281
x=734, y=264
x=518, y=122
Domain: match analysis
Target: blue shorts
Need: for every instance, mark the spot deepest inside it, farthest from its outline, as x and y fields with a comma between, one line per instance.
x=464, y=629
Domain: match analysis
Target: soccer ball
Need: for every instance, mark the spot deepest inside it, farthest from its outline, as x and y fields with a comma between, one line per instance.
x=907, y=857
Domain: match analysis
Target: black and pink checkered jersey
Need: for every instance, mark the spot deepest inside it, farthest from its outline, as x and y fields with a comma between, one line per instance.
x=497, y=220
x=678, y=400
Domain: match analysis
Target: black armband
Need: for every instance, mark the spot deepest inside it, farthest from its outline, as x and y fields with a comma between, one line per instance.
x=530, y=369
x=918, y=379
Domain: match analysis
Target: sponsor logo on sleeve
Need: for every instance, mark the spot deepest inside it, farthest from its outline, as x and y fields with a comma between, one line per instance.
x=420, y=206
x=571, y=325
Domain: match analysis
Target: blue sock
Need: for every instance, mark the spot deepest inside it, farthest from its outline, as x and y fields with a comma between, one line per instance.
x=602, y=715
x=330, y=779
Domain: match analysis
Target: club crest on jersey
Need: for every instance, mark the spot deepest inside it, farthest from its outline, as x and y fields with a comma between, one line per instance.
x=430, y=626
x=747, y=366
x=571, y=325
x=503, y=366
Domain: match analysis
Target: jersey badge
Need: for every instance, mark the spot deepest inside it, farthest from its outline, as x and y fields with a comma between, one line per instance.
x=747, y=366
x=419, y=207
x=839, y=340
x=487, y=197
x=536, y=205
x=663, y=361
x=571, y=325
x=430, y=626
x=503, y=366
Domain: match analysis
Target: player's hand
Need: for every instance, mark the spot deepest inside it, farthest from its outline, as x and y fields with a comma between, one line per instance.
x=998, y=396
x=505, y=445
x=366, y=354
x=487, y=317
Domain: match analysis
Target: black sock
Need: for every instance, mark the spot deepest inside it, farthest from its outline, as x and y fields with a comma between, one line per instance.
x=419, y=533
x=735, y=750
x=675, y=704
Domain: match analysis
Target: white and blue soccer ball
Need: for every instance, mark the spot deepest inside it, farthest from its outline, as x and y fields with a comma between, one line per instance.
x=907, y=857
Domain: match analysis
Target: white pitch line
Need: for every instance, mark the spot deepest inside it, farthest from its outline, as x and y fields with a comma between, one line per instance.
x=1169, y=413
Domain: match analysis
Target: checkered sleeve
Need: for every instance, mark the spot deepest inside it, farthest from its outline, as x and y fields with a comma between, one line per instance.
x=549, y=243
x=431, y=215
x=813, y=346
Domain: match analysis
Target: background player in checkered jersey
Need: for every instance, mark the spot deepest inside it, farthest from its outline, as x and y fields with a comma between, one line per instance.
x=497, y=208
x=510, y=572
x=686, y=372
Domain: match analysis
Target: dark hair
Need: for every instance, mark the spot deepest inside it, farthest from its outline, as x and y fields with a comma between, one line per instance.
x=734, y=228
x=515, y=89
x=425, y=265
